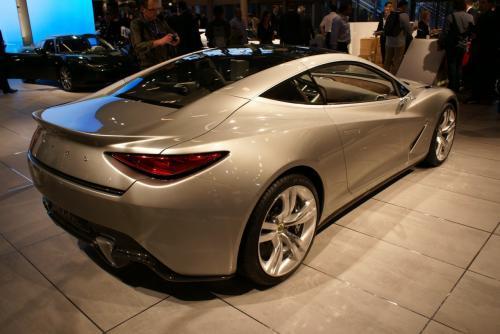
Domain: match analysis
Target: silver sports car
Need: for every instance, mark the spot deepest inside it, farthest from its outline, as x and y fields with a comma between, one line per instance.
x=228, y=160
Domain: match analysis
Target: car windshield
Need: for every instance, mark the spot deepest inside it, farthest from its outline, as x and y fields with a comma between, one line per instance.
x=83, y=44
x=190, y=78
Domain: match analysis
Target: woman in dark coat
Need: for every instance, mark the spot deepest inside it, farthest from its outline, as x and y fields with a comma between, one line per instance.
x=423, y=25
x=265, y=30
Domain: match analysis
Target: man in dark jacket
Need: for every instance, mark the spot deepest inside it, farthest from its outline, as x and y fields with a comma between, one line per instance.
x=218, y=31
x=290, y=27
x=186, y=25
x=4, y=84
x=380, y=28
x=484, y=55
x=151, y=36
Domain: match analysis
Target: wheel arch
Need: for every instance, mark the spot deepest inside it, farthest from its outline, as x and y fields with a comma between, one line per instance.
x=302, y=169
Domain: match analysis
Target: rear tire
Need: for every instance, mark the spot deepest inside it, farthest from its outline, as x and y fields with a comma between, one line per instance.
x=443, y=137
x=280, y=231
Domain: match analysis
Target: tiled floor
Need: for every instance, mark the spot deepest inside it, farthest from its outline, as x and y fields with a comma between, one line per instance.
x=421, y=256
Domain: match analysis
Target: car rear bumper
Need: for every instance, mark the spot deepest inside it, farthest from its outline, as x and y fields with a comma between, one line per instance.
x=175, y=231
x=123, y=250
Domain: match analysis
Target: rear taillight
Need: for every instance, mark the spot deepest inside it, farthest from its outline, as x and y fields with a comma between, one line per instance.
x=169, y=166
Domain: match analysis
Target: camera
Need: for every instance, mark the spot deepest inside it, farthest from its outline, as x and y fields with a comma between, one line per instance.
x=175, y=37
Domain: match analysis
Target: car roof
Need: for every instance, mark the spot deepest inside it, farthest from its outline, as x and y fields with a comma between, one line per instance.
x=69, y=36
x=256, y=84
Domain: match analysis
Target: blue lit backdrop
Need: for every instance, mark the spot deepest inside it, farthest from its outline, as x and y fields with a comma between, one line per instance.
x=9, y=24
x=47, y=17
x=56, y=17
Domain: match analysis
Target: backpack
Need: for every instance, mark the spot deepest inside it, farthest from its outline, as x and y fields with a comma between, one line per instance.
x=392, y=25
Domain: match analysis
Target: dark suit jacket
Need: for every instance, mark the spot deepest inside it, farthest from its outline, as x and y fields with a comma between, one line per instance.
x=2, y=45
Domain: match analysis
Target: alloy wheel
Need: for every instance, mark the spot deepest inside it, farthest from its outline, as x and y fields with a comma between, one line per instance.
x=445, y=133
x=287, y=230
x=66, y=81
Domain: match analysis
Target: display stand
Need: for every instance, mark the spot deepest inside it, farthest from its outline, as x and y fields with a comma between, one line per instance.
x=422, y=61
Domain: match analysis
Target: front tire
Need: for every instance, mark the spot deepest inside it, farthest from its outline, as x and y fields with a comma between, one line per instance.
x=443, y=137
x=66, y=79
x=280, y=231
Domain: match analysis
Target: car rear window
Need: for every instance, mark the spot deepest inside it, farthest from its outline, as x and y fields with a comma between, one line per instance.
x=188, y=79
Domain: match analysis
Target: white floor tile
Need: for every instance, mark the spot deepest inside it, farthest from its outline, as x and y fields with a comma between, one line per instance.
x=311, y=302
x=178, y=316
x=474, y=305
x=103, y=297
x=450, y=242
x=459, y=182
x=488, y=261
x=459, y=208
x=30, y=304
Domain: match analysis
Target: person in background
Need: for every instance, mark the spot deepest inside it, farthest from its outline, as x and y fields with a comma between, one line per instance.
x=306, y=28
x=469, y=4
x=4, y=83
x=380, y=28
x=290, y=26
x=325, y=27
x=265, y=30
x=253, y=23
x=340, y=36
x=202, y=20
x=151, y=36
x=395, y=45
x=453, y=40
x=423, y=30
x=187, y=28
x=275, y=18
x=218, y=31
x=238, y=30
x=484, y=56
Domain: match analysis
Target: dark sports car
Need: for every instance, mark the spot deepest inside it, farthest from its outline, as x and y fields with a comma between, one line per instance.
x=75, y=61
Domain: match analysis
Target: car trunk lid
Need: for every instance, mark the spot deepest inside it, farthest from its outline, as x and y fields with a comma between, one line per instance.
x=74, y=139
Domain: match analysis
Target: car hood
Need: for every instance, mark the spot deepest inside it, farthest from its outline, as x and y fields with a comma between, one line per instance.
x=113, y=120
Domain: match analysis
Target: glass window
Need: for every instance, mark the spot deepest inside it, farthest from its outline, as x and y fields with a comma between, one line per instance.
x=353, y=83
x=300, y=89
x=49, y=46
x=286, y=92
x=83, y=44
x=186, y=80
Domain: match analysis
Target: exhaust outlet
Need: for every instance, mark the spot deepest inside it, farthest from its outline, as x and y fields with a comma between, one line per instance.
x=106, y=246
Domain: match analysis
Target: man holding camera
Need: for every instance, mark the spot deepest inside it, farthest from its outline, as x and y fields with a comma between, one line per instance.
x=151, y=36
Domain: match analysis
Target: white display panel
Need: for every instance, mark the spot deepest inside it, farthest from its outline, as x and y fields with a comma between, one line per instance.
x=360, y=30
x=422, y=61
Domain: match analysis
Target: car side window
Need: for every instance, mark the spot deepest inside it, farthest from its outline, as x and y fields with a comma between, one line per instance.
x=353, y=83
x=49, y=46
x=299, y=89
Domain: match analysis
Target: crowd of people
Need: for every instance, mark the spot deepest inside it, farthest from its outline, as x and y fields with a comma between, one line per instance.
x=469, y=37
